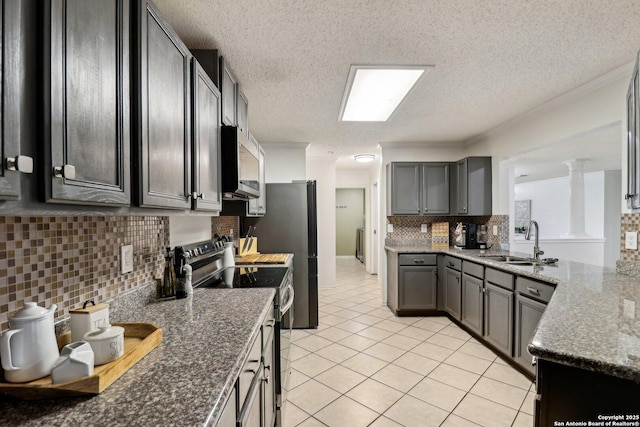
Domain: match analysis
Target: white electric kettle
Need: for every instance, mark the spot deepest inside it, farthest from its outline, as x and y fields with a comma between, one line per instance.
x=29, y=348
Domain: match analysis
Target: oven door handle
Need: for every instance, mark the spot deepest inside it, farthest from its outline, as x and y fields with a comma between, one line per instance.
x=289, y=303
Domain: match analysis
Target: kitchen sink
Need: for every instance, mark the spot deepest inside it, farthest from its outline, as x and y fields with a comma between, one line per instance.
x=517, y=260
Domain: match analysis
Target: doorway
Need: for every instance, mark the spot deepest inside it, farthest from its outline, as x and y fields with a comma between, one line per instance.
x=350, y=215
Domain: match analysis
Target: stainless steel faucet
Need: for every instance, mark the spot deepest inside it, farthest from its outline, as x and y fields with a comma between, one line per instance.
x=536, y=245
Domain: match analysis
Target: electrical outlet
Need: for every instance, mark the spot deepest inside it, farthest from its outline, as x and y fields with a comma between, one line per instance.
x=126, y=259
x=389, y=228
x=631, y=240
x=423, y=228
x=495, y=230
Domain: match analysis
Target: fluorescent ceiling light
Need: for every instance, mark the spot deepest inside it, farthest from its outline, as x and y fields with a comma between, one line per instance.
x=364, y=158
x=373, y=92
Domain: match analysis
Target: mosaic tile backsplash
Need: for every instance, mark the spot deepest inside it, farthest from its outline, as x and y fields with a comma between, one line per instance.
x=629, y=222
x=408, y=227
x=68, y=260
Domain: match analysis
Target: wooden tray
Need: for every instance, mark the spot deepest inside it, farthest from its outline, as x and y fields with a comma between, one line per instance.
x=139, y=340
x=263, y=259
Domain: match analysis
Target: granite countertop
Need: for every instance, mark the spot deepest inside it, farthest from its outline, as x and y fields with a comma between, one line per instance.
x=591, y=320
x=184, y=381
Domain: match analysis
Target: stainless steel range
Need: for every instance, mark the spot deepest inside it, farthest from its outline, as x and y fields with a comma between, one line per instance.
x=208, y=272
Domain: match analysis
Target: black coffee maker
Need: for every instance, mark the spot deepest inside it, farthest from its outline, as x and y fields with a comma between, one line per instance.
x=471, y=236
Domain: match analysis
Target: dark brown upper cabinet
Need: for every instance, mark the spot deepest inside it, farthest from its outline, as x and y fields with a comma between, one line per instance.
x=207, y=195
x=228, y=90
x=13, y=100
x=162, y=157
x=86, y=100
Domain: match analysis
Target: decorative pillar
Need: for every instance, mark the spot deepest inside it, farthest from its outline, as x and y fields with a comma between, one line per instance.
x=576, y=197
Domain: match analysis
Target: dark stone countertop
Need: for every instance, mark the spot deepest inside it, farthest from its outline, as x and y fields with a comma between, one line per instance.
x=592, y=320
x=184, y=381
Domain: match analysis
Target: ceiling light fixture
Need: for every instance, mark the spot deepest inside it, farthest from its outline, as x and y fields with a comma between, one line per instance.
x=364, y=158
x=373, y=92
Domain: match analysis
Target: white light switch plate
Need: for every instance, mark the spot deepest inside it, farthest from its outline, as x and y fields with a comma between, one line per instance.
x=423, y=228
x=126, y=259
x=495, y=230
x=631, y=240
x=389, y=228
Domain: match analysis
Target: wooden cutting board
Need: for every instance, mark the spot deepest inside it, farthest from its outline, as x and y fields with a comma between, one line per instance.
x=263, y=259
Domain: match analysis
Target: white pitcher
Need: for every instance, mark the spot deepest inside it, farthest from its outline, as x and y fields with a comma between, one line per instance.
x=29, y=348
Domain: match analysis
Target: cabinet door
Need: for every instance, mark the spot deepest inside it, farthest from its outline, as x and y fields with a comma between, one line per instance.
x=86, y=102
x=435, y=188
x=206, y=142
x=462, y=196
x=229, y=412
x=405, y=188
x=498, y=317
x=417, y=288
x=250, y=415
x=228, y=91
x=453, y=293
x=242, y=111
x=528, y=314
x=257, y=206
x=471, y=314
x=164, y=90
x=635, y=203
x=631, y=141
x=268, y=385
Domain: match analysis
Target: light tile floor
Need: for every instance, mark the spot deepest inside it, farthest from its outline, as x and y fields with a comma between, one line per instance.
x=365, y=367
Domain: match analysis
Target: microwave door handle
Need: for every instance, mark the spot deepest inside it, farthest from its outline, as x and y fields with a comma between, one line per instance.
x=289, y=303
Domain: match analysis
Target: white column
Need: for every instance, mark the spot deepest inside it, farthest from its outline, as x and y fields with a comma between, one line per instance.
x=576, y=197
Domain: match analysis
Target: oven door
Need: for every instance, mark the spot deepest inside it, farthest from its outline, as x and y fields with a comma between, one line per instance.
x=283, y=336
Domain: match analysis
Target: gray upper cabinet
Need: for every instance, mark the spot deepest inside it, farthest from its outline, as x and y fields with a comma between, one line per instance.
x=163, y=113
x=435, y=188
x=86, y=100
x=242, y=111
x=12, y=50
x=207, y=194
x=633, y=142
x=403, y=188
x=258, y=206
x=228, y=90
x=472, y=186
x=418, y=188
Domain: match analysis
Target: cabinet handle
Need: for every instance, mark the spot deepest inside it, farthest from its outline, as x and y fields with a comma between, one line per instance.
x=201, y=196
x=65, y=171
x=266, y=380
x=533, y=290
x=267, y=367
x=626, y=196
x=458, y=279
x=418, y=261
x=22, y=164
x=534, y=361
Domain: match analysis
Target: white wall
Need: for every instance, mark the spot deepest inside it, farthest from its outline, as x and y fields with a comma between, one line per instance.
x=612, y=190
x=550, y=203
x=588, y=251
x=323, y=171
x=285, y=162
x=594, y=105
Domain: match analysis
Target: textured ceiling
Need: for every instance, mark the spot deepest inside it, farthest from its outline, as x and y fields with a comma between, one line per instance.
x=493, y=60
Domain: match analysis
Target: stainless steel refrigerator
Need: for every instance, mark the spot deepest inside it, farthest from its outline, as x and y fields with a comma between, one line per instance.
x=290, y=226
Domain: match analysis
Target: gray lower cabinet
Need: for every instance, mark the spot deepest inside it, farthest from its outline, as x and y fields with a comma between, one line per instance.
x=229, y=411
x=453, y=292
x=163, y=113
x=528, y=314
x=498, y=317
x=472, y=303
x=86, y=93
x=268, y=385
x=206, y=180
x=250, y=415
x=417, y=287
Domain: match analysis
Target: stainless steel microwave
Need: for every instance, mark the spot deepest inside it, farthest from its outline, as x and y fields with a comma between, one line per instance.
x=240, y=165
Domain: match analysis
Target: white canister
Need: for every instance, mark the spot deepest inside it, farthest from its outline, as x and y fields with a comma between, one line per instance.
x=107, y=343
x=87, y=319
x=229, y=257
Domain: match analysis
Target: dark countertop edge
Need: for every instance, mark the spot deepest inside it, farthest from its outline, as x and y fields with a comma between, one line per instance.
x=227, y=388
x=577, y=361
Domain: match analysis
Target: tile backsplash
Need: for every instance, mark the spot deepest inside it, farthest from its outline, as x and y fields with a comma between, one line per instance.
x=408, y=227
x=629, y=222
x=69, y=259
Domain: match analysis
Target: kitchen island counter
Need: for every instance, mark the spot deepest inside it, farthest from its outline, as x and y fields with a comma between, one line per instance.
x=590, y=322
x=184, y=381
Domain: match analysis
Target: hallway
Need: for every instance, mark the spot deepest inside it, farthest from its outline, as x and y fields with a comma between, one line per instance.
x=365, y=367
